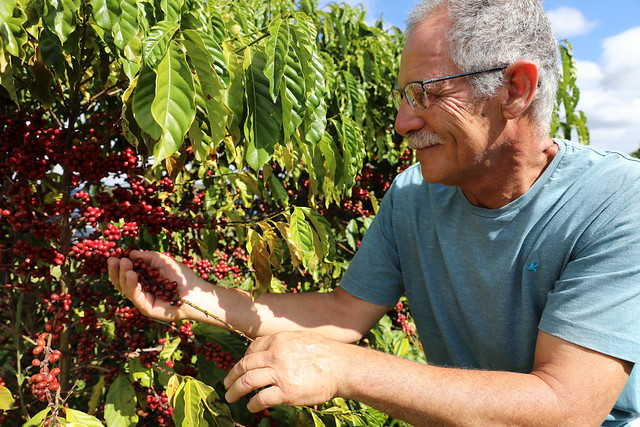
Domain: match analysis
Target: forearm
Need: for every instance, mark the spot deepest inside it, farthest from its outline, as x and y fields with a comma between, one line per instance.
x=321, y=313
x=337, y=315
x=427, y=395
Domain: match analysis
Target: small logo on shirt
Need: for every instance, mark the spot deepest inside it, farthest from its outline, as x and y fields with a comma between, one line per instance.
x=533, y=266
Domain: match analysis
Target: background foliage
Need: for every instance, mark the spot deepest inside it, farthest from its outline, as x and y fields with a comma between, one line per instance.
x=252, y=140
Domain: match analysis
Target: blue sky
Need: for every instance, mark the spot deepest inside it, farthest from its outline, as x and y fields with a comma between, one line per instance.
x=605, y=36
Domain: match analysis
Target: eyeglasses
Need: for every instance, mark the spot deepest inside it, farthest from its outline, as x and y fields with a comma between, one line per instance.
x=416, y=92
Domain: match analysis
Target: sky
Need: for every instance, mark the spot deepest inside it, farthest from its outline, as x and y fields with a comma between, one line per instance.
x=605, y=36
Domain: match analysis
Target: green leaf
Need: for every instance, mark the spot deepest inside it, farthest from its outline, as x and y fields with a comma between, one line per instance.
x=317, y=422
x=205, y=55
x=6, y=399
x=302, y=234
x=219, y=411
x=235, y=93
x=324, y=231
x=172, y=389
x=140, y=373
x=188, y=410
x=259, y=262
x=264, y=117
x=277, y=48
x=37, y=419
x=52, y=54
x=81, y=418
x=293, y=94
x=169, y=348
x=171, y=9
x=120, y=406
x=213, y=52
x=106, y=13
x=6, y=9
x=154, y=46
x=96, y=395
x=127, y=25
x=6, y=79
x=142, y=100
x=174, y=104
x=60, y=17
x=41, y=84
x=12, y=36
x=352, y=148
x=315, y=120
x=218, y=28
x=316, y=117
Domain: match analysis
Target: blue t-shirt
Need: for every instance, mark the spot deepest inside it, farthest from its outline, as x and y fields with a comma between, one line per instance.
x=563, y=258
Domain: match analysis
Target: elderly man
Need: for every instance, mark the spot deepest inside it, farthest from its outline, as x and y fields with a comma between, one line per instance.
x=519, y=254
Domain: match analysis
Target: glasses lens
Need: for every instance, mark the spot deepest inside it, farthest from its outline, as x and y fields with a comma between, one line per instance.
x=416, y=96
x=396, y=95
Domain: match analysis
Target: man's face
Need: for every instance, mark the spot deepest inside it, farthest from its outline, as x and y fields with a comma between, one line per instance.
x=453, y=137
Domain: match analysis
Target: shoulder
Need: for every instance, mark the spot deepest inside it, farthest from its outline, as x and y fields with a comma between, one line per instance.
x=600, y=161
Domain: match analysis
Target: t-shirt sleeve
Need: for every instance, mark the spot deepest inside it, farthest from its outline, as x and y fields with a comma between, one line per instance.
x=374, y=273
x=596, y=301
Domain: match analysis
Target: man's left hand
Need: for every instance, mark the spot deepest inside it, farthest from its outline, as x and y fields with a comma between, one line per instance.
x=292, y=368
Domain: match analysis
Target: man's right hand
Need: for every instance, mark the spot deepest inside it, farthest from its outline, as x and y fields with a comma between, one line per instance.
x=125, y=279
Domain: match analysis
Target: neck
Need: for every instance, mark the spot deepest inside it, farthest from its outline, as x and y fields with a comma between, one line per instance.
x=517, y=168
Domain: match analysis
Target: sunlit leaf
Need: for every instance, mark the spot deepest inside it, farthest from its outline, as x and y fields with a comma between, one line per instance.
x=172, y=389
x=259, y=262
x=277, y=48
x=120, y=406
x=60, y=17
x=188, y=409
x=81, y=418
x=173, y=107
x=264, y=117
x=324, y=231
x=154, y=46
x=206, y=61
x=301, y=234
x=293, y=93
x=38, y=419
x=12, y=36
x=171, y=9
x=140, y=373
x=127, y=26
x=6, y=399
x=106, y=13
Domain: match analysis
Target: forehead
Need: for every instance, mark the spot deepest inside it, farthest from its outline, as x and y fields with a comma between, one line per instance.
x=426, y=53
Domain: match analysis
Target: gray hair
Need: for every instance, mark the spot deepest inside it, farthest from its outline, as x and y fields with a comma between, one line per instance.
x=489, y=33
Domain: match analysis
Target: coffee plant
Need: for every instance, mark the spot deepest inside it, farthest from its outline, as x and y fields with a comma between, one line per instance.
x=250, y=140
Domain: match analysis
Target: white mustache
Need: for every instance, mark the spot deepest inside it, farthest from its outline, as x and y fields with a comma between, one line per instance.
x=423, y=139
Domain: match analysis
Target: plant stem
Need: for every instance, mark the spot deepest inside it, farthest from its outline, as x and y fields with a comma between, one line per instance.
x=213, y=316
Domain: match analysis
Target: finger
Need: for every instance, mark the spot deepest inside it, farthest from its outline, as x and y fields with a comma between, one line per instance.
x=125, y=266
x=270, y=396
x=259, y=344
x=252, y=380
x=147, y=256
x=145, y=301
x=244, y=365
x=113, y=267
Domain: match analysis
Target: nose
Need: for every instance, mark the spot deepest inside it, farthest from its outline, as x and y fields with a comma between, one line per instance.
x=407, y=120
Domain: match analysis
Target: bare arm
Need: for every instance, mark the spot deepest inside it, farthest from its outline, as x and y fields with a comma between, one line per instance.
x=337, y=314
x=569, y=385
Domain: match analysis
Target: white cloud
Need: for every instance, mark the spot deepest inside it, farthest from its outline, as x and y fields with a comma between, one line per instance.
x=610, y=93
x=621, y=59
x=570, y=22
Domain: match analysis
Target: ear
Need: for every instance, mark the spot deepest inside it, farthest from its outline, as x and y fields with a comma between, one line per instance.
x=521, y=87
